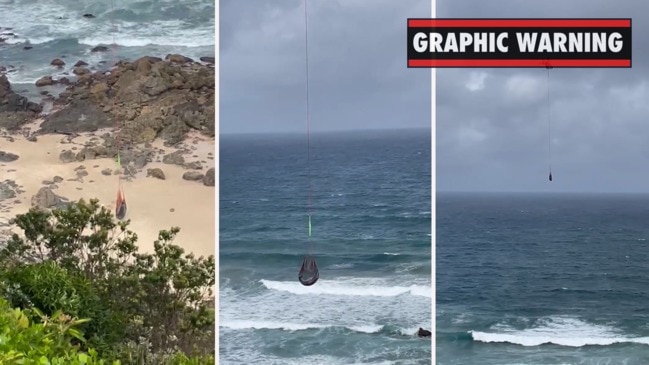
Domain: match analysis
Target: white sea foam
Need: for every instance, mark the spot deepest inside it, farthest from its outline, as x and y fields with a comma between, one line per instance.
x=563, y=331
x=355, y=287
x=243, y=325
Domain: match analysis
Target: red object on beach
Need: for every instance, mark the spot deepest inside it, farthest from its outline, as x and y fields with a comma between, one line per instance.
x=309, y=273
x=120, y=204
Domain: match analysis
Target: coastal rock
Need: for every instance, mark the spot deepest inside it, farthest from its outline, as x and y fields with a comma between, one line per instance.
x=140, y=162
x=194, y=165
x=151, y=97
x=45, y=81
x=57, y=62
x=106, y=172
x=15, y=110
x=174, y=158
x=193, y=176
x=177, y=58
x=209, y=60
x=88, y=16
x=7, y=189
x=155, y=173
x=209, y=179
x=80, y=63
x=79, y=71
x=423, y=333
x=7, y=156
x=99, y=49
x=45, y=198
x=79, y=116
x=67, y=156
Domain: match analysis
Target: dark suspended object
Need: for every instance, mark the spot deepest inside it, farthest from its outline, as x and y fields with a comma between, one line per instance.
x=309, y=273
x=550, y=177
x=120, y=205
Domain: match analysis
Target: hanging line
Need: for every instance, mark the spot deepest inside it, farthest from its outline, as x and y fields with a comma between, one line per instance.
x=549, y=127
x=120, y=203
x=308, y=124
x=309, y=273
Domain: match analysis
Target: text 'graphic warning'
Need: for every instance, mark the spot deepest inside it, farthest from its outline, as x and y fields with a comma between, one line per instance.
x=519, y=43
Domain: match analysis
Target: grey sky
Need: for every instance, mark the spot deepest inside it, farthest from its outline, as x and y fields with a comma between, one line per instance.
x=492, y=131
x=357, y=60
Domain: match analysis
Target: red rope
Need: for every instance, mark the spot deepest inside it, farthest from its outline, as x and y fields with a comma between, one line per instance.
x=117, y=133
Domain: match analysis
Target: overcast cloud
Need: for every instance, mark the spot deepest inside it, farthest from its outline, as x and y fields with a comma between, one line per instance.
x=357, y=60
x=492, y=130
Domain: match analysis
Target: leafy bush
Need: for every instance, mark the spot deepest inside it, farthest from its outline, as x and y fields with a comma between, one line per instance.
x=80, y=260
x=23, y=341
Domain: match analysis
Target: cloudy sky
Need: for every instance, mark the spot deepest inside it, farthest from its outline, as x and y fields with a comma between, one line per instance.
x=357, y=66
x=492, y=129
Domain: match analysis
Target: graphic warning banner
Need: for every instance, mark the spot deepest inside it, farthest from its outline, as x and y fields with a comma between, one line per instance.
x=519, y=43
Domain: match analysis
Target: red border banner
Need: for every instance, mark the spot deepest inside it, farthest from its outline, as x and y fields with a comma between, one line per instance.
x=519, y=23
x=519, y=63
x=474, y=56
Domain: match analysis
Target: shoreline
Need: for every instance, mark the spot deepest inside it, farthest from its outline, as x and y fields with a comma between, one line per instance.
x=65, y=144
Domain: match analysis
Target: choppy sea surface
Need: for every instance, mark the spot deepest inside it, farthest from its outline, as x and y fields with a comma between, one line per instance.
x=371, y=238
x=57, y=29
x=542, y=279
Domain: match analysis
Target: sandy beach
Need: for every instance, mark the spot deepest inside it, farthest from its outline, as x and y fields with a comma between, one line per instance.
x=153, y=204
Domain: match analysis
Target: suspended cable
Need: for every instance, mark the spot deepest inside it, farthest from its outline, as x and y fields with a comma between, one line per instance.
x=120, y=203
x=549, y=128
x=309, y=273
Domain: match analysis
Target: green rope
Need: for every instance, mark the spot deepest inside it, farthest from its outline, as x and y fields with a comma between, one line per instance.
x=309, y=225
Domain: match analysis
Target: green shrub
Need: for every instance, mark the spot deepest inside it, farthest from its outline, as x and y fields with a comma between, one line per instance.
x=23, y=341
x=50, y=288
x=80, y=260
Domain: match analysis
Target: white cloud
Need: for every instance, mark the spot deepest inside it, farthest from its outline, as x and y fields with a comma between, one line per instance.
x=525, y=87
x=476, y=81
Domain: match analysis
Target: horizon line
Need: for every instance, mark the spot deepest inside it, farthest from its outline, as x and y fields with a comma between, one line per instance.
x=390, y=129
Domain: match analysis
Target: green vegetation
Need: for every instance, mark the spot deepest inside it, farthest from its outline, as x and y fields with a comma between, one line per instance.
x=74, y=289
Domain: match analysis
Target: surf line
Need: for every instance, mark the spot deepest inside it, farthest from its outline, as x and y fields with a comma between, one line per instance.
x=526, y=42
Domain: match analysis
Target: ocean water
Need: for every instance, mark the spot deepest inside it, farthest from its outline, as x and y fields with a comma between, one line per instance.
x=371, y=238
x=57, y=29
x=542, y=279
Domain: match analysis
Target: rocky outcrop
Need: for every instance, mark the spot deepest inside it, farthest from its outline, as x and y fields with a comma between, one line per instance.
x=78, y=116
x=193, y=176
x=15, y=110
x=423, y=333
x=45, y=198
x=7, y=156
x=155, y=173
x=148, y=98
x=209, y=180
x=9, y=189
